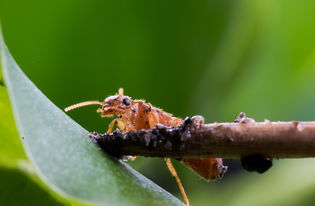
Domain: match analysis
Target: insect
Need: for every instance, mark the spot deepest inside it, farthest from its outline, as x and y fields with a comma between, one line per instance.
x=136, y=115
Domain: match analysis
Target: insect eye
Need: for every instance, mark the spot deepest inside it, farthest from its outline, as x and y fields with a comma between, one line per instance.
x=126, y=101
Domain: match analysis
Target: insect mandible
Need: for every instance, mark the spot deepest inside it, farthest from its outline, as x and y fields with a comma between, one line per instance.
x=136, y=115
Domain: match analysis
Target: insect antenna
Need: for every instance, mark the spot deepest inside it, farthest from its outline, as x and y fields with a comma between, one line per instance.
x=83, y=104
x=121, y=93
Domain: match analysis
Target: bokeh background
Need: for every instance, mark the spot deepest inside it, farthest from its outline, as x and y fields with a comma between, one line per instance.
x=215, y=58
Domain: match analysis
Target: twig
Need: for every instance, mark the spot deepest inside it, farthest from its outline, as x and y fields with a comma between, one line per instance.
x=239, y=139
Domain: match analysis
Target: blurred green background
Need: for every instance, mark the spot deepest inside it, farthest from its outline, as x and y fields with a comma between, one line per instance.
x=215, y=58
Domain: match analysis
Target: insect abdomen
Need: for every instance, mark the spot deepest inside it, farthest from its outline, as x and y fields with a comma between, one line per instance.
x=208, y=168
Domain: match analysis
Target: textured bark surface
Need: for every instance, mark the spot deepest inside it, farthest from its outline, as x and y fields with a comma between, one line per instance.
x=244, y=137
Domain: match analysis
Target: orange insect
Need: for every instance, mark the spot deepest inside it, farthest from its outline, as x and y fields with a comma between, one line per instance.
x=137, y=115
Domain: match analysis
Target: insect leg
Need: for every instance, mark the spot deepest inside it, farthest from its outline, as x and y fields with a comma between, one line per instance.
x=174, y=173
x=111, y=126
x=129, y=158
x=120, y=124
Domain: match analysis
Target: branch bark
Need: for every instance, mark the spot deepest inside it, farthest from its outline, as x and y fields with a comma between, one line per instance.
x=239, y=139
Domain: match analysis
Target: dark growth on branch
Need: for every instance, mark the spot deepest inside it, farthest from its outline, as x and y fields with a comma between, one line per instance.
x=256, y=163
x=159, y=142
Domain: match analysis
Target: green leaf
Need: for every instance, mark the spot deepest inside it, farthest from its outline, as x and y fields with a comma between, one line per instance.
x=11, y=150
x=63, y=155
x=17, y=188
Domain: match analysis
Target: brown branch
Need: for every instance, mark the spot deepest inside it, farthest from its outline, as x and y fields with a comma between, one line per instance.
x=242, y=138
